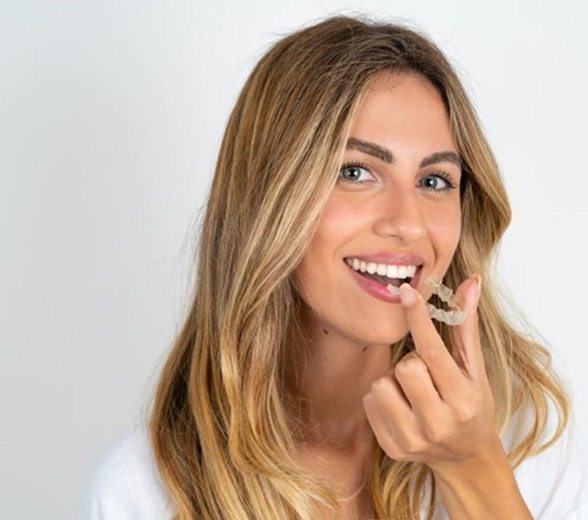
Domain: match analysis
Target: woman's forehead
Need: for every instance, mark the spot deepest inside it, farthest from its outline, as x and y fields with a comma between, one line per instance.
x=403, y=111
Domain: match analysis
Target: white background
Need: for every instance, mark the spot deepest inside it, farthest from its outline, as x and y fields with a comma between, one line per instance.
x=111, y=115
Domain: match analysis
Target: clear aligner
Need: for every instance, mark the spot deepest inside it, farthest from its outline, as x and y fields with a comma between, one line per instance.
x=454, y=317
x=444, y=292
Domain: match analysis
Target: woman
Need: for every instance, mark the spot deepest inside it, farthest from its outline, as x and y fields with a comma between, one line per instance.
x=309, y=380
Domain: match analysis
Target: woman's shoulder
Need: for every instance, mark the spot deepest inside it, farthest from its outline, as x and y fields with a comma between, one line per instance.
x=127, y=484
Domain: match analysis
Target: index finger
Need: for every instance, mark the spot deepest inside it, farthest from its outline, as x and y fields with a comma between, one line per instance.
x=444, y=371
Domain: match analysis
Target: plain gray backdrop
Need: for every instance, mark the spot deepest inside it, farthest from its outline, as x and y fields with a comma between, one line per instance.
x=111, y=115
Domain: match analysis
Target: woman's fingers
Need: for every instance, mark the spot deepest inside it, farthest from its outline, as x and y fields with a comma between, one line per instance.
x=445, y=373
x=415, y=380
x=390, y=416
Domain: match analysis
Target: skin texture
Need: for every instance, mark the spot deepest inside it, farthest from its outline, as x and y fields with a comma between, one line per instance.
x=432, y=407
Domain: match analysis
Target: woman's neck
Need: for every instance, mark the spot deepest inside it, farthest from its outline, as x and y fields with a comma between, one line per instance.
x=333, y=375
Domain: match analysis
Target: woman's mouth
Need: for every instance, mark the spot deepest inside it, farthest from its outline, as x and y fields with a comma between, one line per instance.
x=375, y=278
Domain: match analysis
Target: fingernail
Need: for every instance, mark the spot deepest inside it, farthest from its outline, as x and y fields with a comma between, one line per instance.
x=407, y=295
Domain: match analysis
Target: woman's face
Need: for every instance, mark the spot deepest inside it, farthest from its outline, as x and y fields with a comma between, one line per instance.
x=397, y=193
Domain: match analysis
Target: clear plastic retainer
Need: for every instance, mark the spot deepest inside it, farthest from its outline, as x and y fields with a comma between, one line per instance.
x=454, y=317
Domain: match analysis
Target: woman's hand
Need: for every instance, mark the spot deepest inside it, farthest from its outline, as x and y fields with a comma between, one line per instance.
x=434, y=406
x=437, y=408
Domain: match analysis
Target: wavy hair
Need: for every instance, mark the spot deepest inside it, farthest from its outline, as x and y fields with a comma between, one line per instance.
x=222, y=425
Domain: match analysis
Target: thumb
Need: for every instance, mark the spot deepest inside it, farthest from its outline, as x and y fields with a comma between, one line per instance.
x=467, y=350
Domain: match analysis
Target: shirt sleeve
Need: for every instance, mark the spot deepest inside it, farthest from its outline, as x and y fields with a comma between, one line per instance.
x=126, y=485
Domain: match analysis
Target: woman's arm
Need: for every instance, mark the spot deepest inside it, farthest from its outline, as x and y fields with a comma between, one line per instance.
x=484, y=490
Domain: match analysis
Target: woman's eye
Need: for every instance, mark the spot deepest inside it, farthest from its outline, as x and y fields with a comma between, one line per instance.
x=355, y=173
x=438, y=182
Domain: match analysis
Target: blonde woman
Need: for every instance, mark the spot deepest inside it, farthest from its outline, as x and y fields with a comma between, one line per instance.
x=312, y=378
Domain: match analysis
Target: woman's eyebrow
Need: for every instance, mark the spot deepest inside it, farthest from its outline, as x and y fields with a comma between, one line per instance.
x=438, y=157
x=371, y=149
x=385, y=155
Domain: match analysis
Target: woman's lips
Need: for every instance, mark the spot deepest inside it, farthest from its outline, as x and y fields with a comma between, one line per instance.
x=379, y=290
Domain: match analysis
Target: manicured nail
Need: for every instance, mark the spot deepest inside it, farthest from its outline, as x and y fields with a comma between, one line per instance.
x=407, y=296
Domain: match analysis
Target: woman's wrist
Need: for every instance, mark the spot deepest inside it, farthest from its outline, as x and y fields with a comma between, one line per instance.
x=483, y=488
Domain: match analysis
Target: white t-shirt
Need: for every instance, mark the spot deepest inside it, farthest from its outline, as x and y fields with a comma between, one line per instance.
x=127, y=486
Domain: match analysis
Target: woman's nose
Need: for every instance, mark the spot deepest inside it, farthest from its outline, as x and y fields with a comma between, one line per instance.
x=401, y=216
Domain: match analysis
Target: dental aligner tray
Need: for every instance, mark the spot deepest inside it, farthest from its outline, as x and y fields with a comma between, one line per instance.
x=456, y=316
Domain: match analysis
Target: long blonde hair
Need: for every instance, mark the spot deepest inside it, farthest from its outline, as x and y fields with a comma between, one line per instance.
x=222, y=427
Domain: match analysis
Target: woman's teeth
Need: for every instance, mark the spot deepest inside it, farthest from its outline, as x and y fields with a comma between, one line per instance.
x=394, y=272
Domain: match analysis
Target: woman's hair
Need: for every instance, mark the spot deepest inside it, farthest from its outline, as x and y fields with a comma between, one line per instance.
x=225, y=423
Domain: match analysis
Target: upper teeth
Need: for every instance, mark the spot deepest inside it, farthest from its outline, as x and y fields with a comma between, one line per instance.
x=391, y=271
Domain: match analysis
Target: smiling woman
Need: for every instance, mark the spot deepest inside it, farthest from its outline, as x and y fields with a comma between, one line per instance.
x=309, y=380
x=404, y=199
